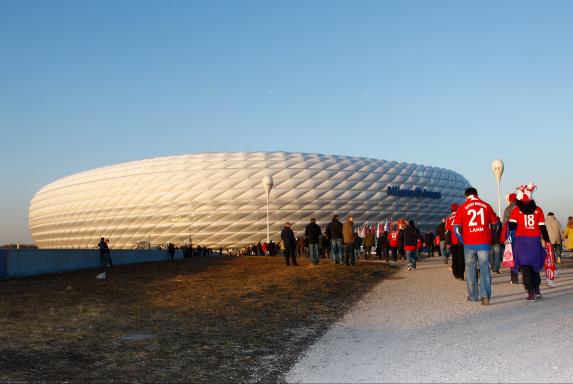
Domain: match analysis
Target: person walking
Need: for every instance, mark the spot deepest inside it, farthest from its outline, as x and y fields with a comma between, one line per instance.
x=382, y=246
x=512, y=202
x=368, y=243
x=334, y=233
x=495, y=251
x=357, y=245
x=555, y=235
x=527, y=226
x=348, y=239
x=456, y=248
x=312, y=233
x=441, y=233
x=105, y=257
x=568, y=234
x=473, y=227
x=289, y=241
x=429, y=240
x=393, y=243
x=325, y=247
x=401, y=253
x=171, y=250
x=411, y=238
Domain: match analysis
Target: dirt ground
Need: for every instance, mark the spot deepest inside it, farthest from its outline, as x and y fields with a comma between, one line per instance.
x=202, y=319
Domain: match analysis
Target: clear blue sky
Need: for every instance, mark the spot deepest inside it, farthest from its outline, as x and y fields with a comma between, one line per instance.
x=453, y=84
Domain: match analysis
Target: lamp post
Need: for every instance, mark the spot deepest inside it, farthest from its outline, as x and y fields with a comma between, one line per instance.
x=268, y=185
x=497, y=169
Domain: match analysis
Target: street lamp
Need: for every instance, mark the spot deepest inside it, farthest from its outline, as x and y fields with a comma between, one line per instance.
x=268, y=185
x=497, y=169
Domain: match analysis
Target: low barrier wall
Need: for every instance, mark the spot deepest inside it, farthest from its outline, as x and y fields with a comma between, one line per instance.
x=31, y=262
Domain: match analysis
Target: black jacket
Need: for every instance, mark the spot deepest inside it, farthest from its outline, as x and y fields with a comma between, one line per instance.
x=382, y=241
x=441, y=231
x=312, y=232
x=430, y=239
x=411, y=235
x=287, y=236
x=334, y=230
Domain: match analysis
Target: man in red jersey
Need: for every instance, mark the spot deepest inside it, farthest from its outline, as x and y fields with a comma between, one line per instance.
x=393, y=243
x=456, y=249
x=473, y=226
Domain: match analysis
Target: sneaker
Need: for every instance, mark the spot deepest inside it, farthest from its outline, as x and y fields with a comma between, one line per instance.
x=101, y=276
x=550, y=283
x=410, y=269
x=485, y=301
x=530, y=297
x=538, y=294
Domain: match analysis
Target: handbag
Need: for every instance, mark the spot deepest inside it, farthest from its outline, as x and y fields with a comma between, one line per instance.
x=508, y=256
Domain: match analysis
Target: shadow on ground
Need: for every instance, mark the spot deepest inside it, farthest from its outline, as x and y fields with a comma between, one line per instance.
x=203, y=319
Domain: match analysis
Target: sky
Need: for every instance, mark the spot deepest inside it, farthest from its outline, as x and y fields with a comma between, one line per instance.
x=451, y=84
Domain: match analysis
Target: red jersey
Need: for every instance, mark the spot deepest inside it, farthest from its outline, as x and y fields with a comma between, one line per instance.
x=527, y=225
x=450, y=229
x=393, y=239
x=475, y=216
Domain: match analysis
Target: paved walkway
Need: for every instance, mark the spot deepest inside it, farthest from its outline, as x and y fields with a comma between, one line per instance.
x=418, y=327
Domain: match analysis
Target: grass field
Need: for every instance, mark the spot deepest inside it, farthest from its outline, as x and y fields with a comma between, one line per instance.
x=193, y=320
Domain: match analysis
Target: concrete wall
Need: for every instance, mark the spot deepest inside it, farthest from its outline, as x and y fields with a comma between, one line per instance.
x=30, y=262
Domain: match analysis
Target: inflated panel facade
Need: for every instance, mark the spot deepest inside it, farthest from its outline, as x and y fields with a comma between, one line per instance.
x=218, y=200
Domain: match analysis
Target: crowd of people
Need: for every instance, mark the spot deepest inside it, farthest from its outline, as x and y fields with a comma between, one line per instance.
x=341, y=243
x=471, y=240
x=476, y=238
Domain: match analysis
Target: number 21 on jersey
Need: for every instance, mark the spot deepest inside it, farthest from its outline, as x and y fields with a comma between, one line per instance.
x=474, y=216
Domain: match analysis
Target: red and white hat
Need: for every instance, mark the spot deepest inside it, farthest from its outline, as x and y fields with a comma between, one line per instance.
x=523, y=192
x=510, y=197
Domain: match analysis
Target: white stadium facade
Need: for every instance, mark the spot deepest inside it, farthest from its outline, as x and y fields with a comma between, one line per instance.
x=218, y=199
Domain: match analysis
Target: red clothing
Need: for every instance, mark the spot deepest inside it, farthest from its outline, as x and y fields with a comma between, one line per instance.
x=393, y=239
x=475, y=216
x=450, y=228
x=527, y=225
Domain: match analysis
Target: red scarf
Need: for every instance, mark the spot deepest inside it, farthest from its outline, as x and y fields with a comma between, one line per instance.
x=549, y=262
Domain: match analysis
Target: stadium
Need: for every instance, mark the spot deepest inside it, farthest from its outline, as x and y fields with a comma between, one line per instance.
x=218, y=199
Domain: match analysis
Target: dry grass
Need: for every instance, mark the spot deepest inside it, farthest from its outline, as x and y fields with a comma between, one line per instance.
x=207, y=319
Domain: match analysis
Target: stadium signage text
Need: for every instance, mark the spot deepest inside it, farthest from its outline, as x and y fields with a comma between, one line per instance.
x=416, y=192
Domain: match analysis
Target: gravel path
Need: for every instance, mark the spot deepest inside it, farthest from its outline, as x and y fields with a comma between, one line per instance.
x=418, y=327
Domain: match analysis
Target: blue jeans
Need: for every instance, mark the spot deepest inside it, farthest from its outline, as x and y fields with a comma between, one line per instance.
x=336, y=250
x=495, y=257
x=349, y=257
x=444, y=250
x=314, y=253
x=412, y=257
x=473, y=260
